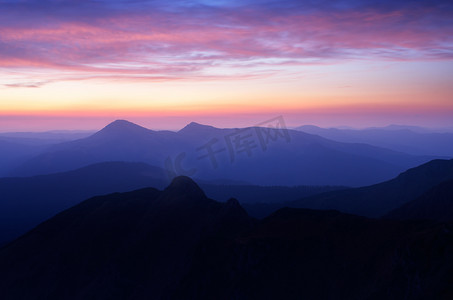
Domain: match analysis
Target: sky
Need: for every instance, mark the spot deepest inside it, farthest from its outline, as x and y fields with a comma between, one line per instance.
x=81, y=64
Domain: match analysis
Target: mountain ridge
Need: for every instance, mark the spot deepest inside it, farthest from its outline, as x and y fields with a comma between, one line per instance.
x=436, y=204
x=408, y=139
x=21, y=208
x=379, y=199
x=291, y=158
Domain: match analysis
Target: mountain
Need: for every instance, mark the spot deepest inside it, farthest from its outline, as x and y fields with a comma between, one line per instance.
x=258, y=155
x=262, y=194
x=306, y=254
x=416, y=128
x=197, y=129
x=408, y=139
x=27, y=201
x=121, y=129
x=377, y=200
x=126, y=245
x=179, y=244
x=14, y=151
x=119, y=141
x=436, y=204
x=48, y=137
x=18, y=147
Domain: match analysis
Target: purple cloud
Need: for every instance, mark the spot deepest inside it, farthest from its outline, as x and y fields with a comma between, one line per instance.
x=161, y=40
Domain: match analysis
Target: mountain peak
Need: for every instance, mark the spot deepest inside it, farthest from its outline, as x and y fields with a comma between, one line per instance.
x=123, y=127
x=182, y=182
x=196, y=127
x=233, y=202
x=122, y=124
x=183, y=189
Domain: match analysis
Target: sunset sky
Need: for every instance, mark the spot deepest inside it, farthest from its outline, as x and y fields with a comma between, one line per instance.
x=81, y=64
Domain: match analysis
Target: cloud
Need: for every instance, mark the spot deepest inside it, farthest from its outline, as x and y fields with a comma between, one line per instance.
x=24, y=84
x=175, y=40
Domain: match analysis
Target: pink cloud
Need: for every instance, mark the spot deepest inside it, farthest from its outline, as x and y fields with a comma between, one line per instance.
x=174, y=46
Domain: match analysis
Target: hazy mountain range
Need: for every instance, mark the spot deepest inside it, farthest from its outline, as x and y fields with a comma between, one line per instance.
x=179, y=244
x=54, y=136
x=17, y=147
x=408, y=139
x=255, y=155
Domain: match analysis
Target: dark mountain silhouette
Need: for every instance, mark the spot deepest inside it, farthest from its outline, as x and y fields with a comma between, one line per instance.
x=306, y=254
x=436, y=204
x=262, y=157
x=262, y=194
x=408, y=139
x=131, y=245
x=27, y=201
x=179, y=244
x=379, y=199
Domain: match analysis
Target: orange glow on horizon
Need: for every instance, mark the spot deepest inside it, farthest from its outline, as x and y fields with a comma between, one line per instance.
x=170, y=59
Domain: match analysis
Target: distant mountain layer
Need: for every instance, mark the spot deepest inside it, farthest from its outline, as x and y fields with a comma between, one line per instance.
x=179, y=244
x=17, y=147
x=260, y=156
x=372, y=201
x=436, y=204
x=27, y=201
x=13, y=152
x=378, y=200
x=48, y=136
x=408, y=139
